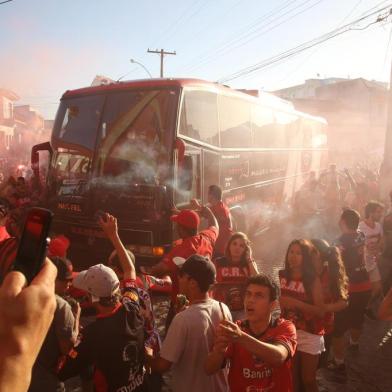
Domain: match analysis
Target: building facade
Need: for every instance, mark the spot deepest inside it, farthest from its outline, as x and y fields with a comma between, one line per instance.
x=7, y=120
x=356, y=112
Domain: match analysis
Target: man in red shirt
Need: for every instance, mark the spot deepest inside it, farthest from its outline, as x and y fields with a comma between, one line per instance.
x=192, y=242
x=222, y=215
x=261, y=347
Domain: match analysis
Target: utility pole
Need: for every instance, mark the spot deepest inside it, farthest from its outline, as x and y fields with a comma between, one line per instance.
x=386, y=167
x=162, y=53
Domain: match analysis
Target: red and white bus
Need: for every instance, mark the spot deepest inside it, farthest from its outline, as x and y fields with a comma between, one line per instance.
x=137, y=149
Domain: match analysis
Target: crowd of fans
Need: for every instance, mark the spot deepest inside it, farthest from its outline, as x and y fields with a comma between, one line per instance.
x=230, y=327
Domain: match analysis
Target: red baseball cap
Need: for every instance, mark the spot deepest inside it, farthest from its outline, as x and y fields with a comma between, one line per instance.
x=58, y=246
x=187, y=218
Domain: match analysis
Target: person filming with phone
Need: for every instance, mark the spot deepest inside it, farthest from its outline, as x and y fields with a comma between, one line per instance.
x=261, y=347
x=26, y=313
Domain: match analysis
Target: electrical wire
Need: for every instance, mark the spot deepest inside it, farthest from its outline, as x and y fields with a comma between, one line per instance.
x=170, y=30
x=299, y=66
x=262, y=30
x=387, y=49
x=5, y=1
x=309, y=44
x=185, y=38
x=212, y=53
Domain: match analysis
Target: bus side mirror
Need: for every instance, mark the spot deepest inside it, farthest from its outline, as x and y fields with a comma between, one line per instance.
x=186, y=173
x=35, y=156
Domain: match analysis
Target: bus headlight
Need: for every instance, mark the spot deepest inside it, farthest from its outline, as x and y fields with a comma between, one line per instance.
x=158, y=251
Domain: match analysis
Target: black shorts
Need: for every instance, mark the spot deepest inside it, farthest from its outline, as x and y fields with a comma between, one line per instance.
x=352, y=316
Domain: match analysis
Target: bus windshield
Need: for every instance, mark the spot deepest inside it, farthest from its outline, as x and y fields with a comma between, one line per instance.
x=128, y=134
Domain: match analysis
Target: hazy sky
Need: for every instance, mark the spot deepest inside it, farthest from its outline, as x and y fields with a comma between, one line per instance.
x=49, y=46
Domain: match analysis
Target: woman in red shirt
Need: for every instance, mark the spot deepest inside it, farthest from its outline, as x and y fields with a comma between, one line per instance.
x=302, y=303
x=232, y=272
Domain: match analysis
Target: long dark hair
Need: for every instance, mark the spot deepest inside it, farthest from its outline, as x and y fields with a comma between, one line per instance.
x=236, y=236
x=307, y=270
x=338, y=280
x=337, y=274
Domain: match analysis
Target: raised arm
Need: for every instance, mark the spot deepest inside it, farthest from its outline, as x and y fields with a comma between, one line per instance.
x=252, y=266
x=109, y=225
x=160, y=269
x=273, y=354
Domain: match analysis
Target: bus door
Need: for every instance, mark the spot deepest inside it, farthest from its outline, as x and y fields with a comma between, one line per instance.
x=210, y=171
x=188, y=177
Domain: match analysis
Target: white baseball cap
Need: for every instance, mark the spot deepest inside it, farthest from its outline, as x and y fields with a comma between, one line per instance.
x=100, y=281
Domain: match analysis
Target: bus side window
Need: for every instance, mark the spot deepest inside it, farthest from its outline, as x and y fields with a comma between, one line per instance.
x=199, y=117
x=234, y=122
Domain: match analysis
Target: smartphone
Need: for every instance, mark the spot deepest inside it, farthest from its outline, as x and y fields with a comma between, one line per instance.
x=31, y=251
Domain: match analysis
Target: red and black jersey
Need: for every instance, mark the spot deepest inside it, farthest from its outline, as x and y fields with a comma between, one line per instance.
x=250, y=373
x=230, y=283
x=114, y=345
x=296, y=289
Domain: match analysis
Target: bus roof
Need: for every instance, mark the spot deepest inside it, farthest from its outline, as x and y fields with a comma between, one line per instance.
x=142, y=83
x=264, y=97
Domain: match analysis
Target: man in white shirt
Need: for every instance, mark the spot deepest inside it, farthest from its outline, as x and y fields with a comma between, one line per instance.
x=191, y=333
x=373, y=231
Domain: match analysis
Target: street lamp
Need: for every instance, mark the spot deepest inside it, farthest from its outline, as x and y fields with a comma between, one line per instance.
x=137, y=62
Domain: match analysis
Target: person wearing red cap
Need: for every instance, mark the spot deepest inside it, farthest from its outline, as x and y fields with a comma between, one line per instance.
x=193, y=242
x=58, y=246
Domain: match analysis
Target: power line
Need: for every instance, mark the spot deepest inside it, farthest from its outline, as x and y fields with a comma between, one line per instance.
x=309, y=44
x=5, y=1
x=173, y=25
x=263, y=32
x=299, y=66
x=238, y=35
x=252, y=35
x=207, y=22
x=189, y=17
x=387, y=49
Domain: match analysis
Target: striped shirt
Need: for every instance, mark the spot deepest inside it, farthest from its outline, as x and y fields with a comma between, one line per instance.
x=8, y=250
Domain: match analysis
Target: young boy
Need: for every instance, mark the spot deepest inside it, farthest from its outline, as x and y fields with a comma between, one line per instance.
x=352, y=245
x=372, y=229
x=261, y=347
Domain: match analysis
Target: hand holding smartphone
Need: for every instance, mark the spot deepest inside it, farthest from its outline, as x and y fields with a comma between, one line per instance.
x=31, y=251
